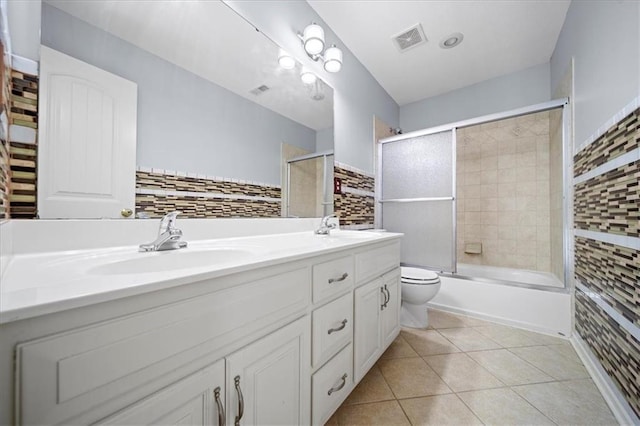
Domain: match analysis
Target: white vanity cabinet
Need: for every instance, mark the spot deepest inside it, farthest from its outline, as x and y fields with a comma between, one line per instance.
x=283, y=343
x=377, y=320
x=196, y=400
x=268, y=382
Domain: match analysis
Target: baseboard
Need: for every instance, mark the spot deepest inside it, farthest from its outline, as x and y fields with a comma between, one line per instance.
x=499, y=320
x=614, y=399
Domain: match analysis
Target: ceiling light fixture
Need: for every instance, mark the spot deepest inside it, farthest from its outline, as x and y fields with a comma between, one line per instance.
x=286, y=61
x=451, y=41
x=313, y=42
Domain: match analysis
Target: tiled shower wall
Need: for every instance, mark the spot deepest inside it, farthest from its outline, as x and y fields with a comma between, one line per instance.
x=607, y=251
x=5, y=94
x=503, y=188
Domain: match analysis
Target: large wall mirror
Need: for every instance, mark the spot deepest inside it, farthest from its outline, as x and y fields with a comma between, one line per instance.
x=214, y=109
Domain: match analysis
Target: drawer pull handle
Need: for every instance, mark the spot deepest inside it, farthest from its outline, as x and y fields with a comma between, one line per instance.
x=240, y=401
x=341, y=327
x=337, y=280
x=340, y=386
x=221, y=417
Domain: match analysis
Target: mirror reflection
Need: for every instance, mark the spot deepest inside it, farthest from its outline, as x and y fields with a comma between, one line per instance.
x=219, y=128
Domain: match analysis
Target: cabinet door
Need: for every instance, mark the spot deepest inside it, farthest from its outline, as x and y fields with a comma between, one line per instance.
x=391, y=312
x=268, y=381
x=195, y=400
x=368, y=307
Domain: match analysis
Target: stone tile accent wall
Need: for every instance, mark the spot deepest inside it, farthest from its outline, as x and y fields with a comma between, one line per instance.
x=611, y=271
x=355, y=204
x=609, y=202
x=618, y=140
x=503, y=189
x=616, y=349
x=607, y=267
x=158, y=193
x=23, y=157
x=5, y=95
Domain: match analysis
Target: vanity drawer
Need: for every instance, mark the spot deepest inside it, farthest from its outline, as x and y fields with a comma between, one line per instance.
x=332, y=328
x=333, y=277
x=373, y=263
x=73, y=376
x=331, y=385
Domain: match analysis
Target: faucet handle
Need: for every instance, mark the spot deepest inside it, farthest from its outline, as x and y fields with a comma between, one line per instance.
x=168, y=221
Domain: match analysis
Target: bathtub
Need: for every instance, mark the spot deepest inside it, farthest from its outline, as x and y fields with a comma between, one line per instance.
x=526, y=299
x=508, y=275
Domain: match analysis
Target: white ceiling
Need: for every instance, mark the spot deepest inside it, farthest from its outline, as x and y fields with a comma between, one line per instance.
x=209, y=39
x=500, y=37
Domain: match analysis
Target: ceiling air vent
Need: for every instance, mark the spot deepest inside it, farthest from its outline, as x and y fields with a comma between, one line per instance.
x=259, y=90
x=412, y=37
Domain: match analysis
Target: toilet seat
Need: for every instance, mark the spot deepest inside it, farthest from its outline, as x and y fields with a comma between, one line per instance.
x=418, y=276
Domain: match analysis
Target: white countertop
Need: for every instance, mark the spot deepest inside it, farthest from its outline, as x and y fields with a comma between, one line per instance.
x=43, y=283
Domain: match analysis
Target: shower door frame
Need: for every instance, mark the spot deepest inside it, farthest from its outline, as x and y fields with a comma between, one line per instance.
x=452, y=127
x=325, y=172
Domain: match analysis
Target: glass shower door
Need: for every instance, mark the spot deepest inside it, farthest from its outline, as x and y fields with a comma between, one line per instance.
x=417, y=197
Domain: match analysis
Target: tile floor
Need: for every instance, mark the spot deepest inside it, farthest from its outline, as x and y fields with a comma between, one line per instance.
x=465, y=371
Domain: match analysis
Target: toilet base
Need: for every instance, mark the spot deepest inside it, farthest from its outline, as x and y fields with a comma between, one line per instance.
x=414, y=316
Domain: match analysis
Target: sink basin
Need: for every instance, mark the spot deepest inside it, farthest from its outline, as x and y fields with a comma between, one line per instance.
x=164, y=261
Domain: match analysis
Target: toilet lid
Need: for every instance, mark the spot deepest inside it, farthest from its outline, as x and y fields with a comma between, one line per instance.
x=418, y=275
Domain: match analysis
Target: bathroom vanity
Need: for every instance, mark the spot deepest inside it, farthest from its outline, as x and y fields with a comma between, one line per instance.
x=268, y=329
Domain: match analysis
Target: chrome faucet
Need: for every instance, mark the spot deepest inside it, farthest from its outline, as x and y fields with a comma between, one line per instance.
x=325, y=226
x=168, y=235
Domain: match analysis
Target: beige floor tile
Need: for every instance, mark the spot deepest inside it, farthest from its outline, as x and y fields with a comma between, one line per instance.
x=510, y=369
x=399, y=349
x=333, y=420
x=468, y=339
x=575, y=402
x=461, y=373
x=567, y=351
x=372, y=388
x=428, y=342
x=503, y=407
x=510, y=337
x=441, y=319
x=386, y=413
x=552, y=363
x=411, y=377
x=439, y=410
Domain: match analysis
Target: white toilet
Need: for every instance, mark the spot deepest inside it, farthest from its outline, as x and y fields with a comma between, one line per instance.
x=419, y=286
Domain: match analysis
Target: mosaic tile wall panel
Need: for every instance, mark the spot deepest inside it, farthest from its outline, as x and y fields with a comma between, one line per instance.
x=617, y=350
x=609, y=202
x=158, y=194
x=355, y=204
x=608, y=205
x=611, y=271
x=23, y=180
x=5, y=94
x=618, y=140
x=23, y=157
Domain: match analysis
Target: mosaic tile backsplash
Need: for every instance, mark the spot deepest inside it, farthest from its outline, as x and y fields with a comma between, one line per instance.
x=607, y=204
x=159, y=193
x=355, y=204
